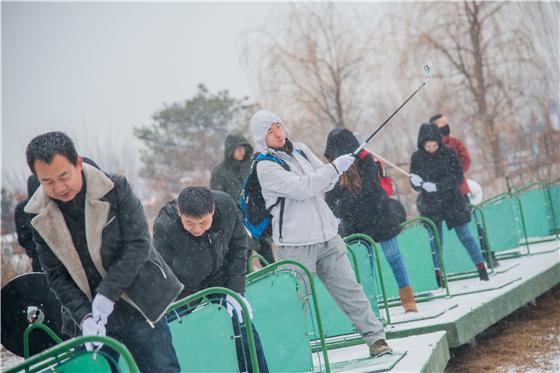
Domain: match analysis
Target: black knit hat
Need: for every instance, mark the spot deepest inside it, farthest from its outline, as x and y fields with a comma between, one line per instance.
x=340, y=141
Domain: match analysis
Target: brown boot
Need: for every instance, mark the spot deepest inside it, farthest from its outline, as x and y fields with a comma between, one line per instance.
x=380, y=348
x=407, y=299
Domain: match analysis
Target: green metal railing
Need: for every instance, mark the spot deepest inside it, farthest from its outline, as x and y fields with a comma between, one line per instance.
x=65, y=351
x=429, y=225
x=203, y=296
x=274, y=267
x=362, y=237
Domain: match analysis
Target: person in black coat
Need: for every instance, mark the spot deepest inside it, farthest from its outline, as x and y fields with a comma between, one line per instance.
x=202, y=238
x=228, y=176
x=435, y=172
x=362, y=205
x=23, y=225
x=94, y=245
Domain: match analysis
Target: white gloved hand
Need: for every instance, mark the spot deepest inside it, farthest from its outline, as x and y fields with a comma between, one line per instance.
x=429, y=187
x=90, y=327
x=232, y=305
x=101, y=308
x=343, y=162
x=416, y=180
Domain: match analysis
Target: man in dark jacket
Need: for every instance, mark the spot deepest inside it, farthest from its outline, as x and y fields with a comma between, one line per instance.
x=94, y=245
x=23, y=225
x=437, y=174
x=228, y=177
x=202, y=238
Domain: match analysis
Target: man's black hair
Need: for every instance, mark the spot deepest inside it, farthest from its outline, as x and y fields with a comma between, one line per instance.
x=44, y=147
x=32, y=185
x=435, y=117
x=195, y=201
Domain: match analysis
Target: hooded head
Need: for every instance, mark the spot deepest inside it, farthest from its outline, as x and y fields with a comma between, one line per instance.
x=428, y=132
x=340, y=141
x=234, y=140
x=261, y=122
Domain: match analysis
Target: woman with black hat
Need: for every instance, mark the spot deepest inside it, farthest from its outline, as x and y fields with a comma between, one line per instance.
x=362, y=205
x=435, y=172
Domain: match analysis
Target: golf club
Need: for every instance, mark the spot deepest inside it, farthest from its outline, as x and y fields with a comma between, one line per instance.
x=428, y=74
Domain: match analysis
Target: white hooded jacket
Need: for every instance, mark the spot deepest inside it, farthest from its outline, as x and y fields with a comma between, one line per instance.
x=307, y=218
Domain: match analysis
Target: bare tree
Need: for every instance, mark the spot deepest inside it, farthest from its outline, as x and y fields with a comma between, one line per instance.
x=489, y=57
x=312, y=67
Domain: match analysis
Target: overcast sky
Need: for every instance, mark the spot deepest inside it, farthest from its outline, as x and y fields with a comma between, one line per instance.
x=96, y=71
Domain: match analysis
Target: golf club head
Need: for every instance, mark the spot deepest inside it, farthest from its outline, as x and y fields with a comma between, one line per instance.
x=427, y=71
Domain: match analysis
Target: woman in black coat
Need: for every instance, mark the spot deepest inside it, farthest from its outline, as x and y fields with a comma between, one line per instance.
x=362, y=205
x=435, y=172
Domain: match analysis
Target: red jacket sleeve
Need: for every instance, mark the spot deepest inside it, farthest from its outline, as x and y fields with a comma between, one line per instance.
x=464, y=156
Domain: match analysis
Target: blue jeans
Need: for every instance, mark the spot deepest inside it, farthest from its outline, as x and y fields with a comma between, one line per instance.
x=241, y=347
x=151, y=348
x=466, y=239
x=395, y=259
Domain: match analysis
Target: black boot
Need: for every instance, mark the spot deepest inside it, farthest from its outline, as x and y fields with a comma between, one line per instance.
x=483, y=274
x=439, y=279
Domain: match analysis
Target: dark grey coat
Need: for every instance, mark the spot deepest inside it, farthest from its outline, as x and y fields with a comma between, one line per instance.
x=217, y=258
x=119, y=245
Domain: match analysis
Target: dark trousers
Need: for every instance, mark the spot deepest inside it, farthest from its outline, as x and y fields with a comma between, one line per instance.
x=265, y=250
x=151, y=348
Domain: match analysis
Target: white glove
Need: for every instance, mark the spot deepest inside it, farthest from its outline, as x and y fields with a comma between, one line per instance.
x=429, y=187
x=343, y=162
x=90, y=327
x=232, y=305
x=416, y=180
x=101, y=308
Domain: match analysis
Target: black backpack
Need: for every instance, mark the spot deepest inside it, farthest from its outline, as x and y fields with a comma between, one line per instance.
x=256, y=217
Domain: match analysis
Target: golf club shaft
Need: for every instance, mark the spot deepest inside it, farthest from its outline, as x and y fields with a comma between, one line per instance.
x=401, y=170
x=392, y=115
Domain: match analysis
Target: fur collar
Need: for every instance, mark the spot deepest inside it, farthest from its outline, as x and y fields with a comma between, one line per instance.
x=51, y=226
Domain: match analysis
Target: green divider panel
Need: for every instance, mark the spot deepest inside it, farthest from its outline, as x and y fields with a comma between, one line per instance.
x=414, y=244
x=280, y=319
x=204, y=340
x=503, y=224
x=368, y=277
x=455, y=256
x=84, y=362
x=537, y=212
x=335, y=321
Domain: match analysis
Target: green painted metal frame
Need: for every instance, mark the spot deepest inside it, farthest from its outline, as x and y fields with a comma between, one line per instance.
x=254, y=276
x=478, y=213
x=358, y=237
x=202, y=295
x=544, y=187
x=62, y=351
x=423, y=220
x=555, y=212
x=38, y=326
x=250, y=262
x=506, y=195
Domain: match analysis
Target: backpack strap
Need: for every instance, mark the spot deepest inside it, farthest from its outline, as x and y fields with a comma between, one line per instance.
x=302, y=153
x=281, y=200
